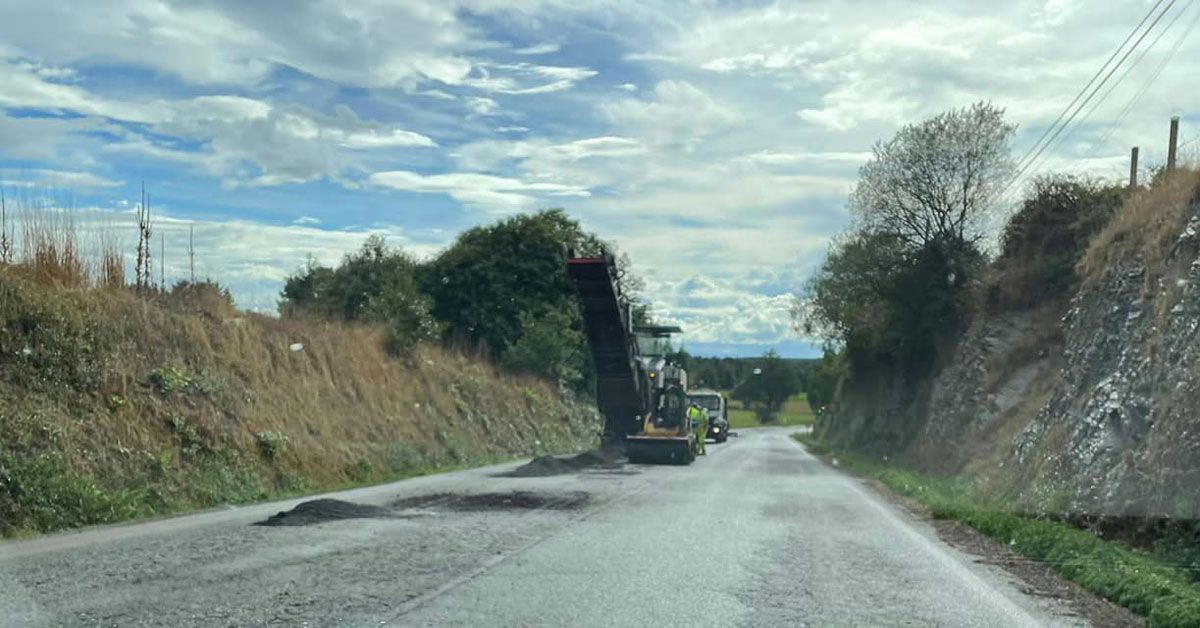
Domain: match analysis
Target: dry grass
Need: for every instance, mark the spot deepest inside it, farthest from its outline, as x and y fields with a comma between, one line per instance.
x=61, y=245
x=161, y=388
x=1146, y=226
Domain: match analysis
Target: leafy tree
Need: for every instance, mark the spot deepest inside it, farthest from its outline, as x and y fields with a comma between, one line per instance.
x=549, y=346
x=769, y=385
x=935, y=181
x=824, y=379
x=491, y=275
x=375, y=284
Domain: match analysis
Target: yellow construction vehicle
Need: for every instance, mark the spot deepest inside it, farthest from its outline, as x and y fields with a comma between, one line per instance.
x=642, y=394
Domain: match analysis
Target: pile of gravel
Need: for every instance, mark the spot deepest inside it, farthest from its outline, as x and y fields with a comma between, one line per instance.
x=323, y=510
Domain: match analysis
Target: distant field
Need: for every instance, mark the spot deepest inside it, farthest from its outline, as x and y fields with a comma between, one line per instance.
x=795, y=412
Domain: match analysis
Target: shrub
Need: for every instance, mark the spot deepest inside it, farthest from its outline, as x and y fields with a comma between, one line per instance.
x=1044, y=240
x=170, y=379
x=270, y=443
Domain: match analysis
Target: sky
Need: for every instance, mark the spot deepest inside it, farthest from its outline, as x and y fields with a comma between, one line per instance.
x=714, y=142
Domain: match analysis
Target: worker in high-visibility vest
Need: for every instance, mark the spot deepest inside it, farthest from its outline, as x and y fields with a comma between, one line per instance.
x=699, y=418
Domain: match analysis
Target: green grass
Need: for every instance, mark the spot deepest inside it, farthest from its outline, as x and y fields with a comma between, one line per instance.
x=795, y=412
x=1109, y=569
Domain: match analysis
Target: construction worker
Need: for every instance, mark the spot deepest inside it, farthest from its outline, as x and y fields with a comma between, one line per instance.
x=699, y=419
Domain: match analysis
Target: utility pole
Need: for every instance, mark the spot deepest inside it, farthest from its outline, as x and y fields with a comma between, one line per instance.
x=1174, y=144
x=162, y=262
x=192, y=252
x=1133, y=161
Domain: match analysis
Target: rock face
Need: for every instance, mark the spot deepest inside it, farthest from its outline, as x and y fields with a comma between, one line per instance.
x=1087, y=406
x=1126, y=406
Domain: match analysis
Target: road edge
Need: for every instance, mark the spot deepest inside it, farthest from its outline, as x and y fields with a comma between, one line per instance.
x=1038, y=579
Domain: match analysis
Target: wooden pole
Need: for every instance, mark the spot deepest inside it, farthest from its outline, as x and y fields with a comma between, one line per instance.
x=1174, y=143
x=1133, y=163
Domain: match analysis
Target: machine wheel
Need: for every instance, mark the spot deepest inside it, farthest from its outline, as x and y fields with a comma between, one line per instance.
x=722, y=437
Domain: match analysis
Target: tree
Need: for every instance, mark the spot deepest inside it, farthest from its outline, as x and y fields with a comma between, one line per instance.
x=483, y=283
x=376, y=284
x=548, y=347
x=768, y=385
x=935, y=181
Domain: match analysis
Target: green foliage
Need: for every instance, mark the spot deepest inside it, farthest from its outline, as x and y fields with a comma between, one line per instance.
x=824, y=378
x=548, y=346
x=48, y=344
x=171, y=379
x=270, y=443
x=190, y=438
x=376, y=284
x=768, y=386
x=39, y=492
x=1117, y=573
x=1044, y=240
x=491, y=275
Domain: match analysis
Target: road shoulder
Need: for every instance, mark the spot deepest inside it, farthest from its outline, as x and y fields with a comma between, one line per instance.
x=1037, y=578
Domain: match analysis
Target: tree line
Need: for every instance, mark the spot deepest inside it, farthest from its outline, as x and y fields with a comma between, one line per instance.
x=499, y=288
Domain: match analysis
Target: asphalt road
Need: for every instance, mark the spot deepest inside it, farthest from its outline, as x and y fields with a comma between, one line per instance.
x=758, y=533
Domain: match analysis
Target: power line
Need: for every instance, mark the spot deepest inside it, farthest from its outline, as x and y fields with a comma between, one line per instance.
x=1092, y=80
x=1129, y=68
x=1021, y=172
x=1133, y=102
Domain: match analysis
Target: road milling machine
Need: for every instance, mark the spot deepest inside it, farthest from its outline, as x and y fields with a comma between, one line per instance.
x=640, y=392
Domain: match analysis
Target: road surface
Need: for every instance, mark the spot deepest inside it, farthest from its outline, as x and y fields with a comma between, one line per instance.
x=758, y=533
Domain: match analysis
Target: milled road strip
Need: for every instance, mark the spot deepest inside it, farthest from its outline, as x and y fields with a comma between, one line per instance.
x=416, y=603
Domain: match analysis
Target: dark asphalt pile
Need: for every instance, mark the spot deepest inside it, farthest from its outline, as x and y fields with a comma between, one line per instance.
x=546, y=466
x=515, y=500
x=322, y=510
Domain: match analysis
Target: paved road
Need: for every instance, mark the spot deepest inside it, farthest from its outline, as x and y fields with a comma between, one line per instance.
x=758, y=533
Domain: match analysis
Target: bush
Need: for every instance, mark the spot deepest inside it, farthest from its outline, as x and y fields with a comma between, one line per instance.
x=1044, y=240
x=270, y=443
x=548, y=346
x=170, y=379
x=40, y=492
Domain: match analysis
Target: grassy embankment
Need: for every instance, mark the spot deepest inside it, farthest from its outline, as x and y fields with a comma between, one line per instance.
x=795, y=411
x=1148, y=585
x=117, y=404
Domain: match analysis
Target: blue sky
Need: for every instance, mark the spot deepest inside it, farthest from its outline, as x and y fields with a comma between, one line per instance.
x=715, y=142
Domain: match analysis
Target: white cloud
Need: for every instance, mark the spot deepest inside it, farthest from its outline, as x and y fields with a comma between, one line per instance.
x=487, y=192
x=280, y=144
x=482, y=106
x=677, y=115
x=628, y=87
x=539, y=49
x=525, y=78
x=54, y=179
x=390, y=139
x=373, y=44
x=306, y=220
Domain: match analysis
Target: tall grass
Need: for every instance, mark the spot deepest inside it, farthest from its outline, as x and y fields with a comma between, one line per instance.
x=60, y=244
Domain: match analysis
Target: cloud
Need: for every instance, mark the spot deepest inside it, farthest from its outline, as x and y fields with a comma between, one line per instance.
x=60, y=179
x=482, y=106
x=628, y=87
x=539, y=49
x=480, y=190
x=240, y=139
x=677, y=115
x=389, y=139
x=519, y=78
x=372, y=44
x=306, y=220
